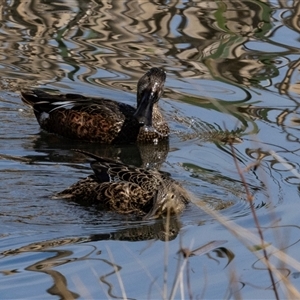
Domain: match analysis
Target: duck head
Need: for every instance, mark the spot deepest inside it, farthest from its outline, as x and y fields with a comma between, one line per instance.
x=150, y=88
x=170, y=198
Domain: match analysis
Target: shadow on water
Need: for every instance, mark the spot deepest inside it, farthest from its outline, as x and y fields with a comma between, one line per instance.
x=140, y=155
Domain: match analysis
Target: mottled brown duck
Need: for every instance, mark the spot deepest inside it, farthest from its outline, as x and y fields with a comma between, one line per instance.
x=103, y=120
x=127, y=190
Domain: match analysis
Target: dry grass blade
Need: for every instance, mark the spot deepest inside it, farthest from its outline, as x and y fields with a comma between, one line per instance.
x=179, y=278
x=201, y=250
x=285, y=163
x=245, y=235
x=166, y=256
x=147, y=272
x=260, y=233
x=118, y=275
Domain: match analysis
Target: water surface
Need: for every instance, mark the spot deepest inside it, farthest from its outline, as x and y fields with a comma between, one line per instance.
x=231, y=65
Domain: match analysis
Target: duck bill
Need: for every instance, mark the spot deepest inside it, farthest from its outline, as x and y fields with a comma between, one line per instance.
x=152, y=215
x=160, y=208
x=144, y=110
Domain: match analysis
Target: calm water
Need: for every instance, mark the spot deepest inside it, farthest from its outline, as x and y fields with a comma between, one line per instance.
x=230, y=65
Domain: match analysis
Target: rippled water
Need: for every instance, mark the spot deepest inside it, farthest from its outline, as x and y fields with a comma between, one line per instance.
x=231, y=65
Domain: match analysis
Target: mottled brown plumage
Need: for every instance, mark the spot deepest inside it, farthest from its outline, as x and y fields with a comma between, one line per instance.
x=128, y=189
x=102, y=120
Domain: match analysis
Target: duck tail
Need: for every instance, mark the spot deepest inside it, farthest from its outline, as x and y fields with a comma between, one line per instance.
x=38, y=100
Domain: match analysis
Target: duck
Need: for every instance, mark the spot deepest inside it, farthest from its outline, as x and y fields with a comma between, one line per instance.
x=126, y=189
x=103, y=120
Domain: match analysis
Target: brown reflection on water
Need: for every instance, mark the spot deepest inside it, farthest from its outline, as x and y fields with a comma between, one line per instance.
x=62, y=267
x=48, y=40
x=160, y=230
x=125, y=35
x=52, y=149
x=62, y=259
x=46, y=266
x=228, y=58
x=293, y=19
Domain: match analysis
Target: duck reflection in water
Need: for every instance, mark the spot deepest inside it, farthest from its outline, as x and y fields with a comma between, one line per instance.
x=128, y=190
x=50, y=148
x=102, y=120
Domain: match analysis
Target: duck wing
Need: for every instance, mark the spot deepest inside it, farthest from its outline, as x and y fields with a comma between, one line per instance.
x=45, y=102
x=84, y=118
x=108, y=170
